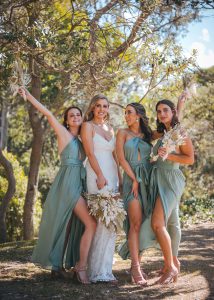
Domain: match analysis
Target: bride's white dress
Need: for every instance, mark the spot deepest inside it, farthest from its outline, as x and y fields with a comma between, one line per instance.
x=102, y=249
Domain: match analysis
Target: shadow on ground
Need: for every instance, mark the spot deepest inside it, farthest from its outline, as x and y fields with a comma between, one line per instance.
x=19, y=279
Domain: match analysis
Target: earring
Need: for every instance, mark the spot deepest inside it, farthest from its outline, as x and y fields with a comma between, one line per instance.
x=67, y=126
x=137, y=120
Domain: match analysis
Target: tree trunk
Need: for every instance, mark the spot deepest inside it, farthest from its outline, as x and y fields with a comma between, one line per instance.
x=3, y=125
x=35, y=158
x=7, y=197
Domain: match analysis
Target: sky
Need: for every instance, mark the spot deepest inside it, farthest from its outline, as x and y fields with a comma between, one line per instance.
x=200, y=36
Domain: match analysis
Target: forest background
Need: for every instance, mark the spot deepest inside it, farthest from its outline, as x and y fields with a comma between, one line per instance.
x=127, y=50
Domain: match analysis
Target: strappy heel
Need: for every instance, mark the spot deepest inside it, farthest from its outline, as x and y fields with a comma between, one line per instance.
x=145, y=276
x=168, y=277
x=136, y=275
x=161, y=271
x=77, y=274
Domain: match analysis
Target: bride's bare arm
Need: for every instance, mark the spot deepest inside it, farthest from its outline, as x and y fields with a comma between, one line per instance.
x=118, y=170
x=87, y=140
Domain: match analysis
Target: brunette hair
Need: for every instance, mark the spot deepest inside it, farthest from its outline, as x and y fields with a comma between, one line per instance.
x=65, y=115
x=160, y=126
x=144, y=121
x=89, y=115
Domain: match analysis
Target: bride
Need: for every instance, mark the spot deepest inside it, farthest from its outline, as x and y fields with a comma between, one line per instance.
x=102, y=176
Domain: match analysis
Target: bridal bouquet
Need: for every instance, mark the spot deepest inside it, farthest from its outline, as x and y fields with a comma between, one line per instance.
x=108, y=209
x=19, y=78
x=171, y=140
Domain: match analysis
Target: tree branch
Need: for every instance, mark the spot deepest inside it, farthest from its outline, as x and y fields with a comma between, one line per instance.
x=93, y=24
x=115, y=53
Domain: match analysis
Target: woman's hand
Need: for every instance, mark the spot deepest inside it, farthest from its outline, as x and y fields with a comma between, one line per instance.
x=23, y=92
x=184, y=95
x=181, y=103
x=162, y=152
x=135, y=188
x=101, y=182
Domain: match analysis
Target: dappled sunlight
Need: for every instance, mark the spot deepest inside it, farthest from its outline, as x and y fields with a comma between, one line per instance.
x=25, y=279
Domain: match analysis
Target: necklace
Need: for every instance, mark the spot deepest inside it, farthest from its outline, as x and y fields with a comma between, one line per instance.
x=136, y=134
x=99, y=124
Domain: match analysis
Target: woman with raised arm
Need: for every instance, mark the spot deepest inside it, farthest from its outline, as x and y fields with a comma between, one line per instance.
x=133, y=147
x=166, y=187
x=133, y=151
x=66, y=228
x=102, y=176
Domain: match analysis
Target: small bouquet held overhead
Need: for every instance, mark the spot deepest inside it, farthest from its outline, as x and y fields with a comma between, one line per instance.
x=107, y=207
x=18, y=79
x=172, y=139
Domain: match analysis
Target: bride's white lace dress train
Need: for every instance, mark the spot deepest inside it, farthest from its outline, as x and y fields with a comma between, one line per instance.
x=102, y=249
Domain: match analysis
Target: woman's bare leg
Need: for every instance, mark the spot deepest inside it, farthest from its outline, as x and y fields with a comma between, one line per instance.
x=135, y=220
x=81, y=211
x=158, y=225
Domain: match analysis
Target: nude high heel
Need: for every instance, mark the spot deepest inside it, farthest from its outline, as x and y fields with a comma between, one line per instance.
x=168, y=277
x=136, y=275
x=77, y=274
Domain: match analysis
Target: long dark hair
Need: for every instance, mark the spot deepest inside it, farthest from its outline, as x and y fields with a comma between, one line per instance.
x=65, y=115
x=144, y=121
x=160, y=126
x=89, y=114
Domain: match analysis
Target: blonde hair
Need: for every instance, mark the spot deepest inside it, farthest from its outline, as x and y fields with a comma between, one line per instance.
x=89, y=115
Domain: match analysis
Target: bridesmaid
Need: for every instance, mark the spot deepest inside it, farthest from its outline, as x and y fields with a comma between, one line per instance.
x=166, y=187
x=66, y=229
x=133, y=148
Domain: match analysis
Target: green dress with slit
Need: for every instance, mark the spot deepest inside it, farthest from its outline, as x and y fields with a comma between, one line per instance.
x=137, y=153
x=168, y=182
x=57, y=214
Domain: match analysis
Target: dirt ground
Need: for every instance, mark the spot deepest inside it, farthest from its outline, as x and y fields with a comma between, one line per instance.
x=20, y=279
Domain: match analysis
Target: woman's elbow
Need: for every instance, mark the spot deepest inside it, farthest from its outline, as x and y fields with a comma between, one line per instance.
x=191, y=160
x=49, y=115
x=90, y=155
x=121, y=161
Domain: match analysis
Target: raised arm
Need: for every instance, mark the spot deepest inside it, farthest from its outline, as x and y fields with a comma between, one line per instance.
x=87, y=140
x=180, y=104
x=61, y=132
x=120, y=141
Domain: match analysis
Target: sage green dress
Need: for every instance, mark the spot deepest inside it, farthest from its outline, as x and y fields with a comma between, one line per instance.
x=58, y=212
x=168, y=182
x=137, y=153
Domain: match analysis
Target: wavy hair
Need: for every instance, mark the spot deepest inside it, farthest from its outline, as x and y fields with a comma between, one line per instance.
x=65, y=115
x=144, y=121
x=160, y=126
x=89, y=114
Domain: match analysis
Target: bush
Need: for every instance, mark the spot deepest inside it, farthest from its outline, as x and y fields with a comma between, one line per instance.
x=195, y=210
x=14, y=216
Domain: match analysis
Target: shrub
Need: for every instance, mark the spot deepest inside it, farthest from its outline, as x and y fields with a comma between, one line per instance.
x=14, y=216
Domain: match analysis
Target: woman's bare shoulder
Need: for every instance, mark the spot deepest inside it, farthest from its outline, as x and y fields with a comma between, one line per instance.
x=87, y=125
